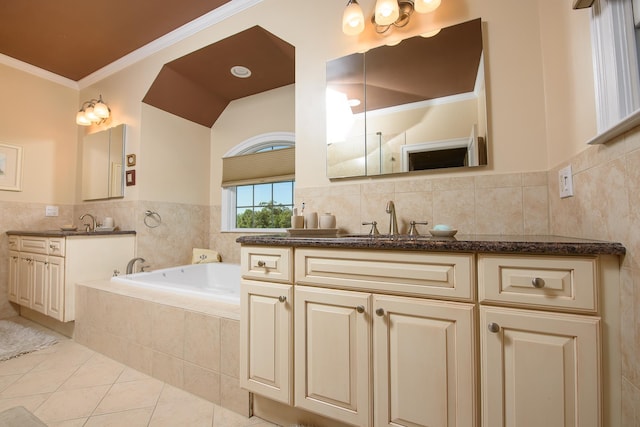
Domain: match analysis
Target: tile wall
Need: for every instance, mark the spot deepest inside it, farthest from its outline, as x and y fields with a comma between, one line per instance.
x=606, y=206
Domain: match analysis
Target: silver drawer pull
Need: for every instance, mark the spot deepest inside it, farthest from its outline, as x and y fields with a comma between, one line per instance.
x=537, y=283
x=282, y=298
x=380, y=312
x=360, y=309
x=261, y=263
x=493, y=327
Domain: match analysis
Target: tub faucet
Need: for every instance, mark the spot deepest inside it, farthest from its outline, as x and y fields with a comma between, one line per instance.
x=132, y=264
x=92, y=226
x=393, y=222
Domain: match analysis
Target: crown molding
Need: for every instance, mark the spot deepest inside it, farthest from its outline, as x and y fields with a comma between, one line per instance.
x=38, y=72
x=205, y=21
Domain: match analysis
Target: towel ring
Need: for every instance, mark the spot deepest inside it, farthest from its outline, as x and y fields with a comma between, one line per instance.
x=155, y=215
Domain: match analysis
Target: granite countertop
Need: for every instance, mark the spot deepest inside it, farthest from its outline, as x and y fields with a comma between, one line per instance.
x=67, y=233
x=557, y=245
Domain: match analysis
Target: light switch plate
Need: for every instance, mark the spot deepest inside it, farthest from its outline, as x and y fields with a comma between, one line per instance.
x=565, y=178
x=51, y=211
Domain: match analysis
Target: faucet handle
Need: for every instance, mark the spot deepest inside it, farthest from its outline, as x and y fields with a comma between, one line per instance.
x=413, y=231
x=374, y=229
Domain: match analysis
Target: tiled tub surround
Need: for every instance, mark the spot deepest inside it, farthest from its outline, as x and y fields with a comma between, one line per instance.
x=187, y=342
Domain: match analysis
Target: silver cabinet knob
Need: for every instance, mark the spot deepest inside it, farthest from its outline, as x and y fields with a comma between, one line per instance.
x=282, y=298
x=537, y=282
x=261, y=263
x=380, y=311
x=360, y=309
x=493, y=327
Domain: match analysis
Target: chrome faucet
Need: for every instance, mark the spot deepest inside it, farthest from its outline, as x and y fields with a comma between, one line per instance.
x=92, y=226
x=132, y=263
x=393, y=222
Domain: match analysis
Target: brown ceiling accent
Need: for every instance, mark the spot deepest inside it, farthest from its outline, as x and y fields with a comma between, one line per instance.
x=417, y=69
x=198, y=86
x=74, y=38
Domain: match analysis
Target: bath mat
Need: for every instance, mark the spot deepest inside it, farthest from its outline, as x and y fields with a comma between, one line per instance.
x=16, y=339
x=19, y=416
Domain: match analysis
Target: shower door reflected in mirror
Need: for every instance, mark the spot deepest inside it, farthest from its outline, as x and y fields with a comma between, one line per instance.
x=414, y=106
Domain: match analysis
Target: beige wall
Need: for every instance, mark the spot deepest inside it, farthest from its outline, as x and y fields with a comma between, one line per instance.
x=173, y=160
x=40, y=116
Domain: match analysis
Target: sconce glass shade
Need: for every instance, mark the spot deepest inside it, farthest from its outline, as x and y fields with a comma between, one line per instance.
x=101, y=110
x=353, y=19
x=90, y=114
x=81, y=119
x=387, y=12
x=426, y=6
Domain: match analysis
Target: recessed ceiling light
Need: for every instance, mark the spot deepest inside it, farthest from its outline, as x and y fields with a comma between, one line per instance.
x=354, y=102
x=240, y=71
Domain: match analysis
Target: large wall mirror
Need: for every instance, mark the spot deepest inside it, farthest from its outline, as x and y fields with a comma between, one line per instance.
x=419, y=105
x=102, y=164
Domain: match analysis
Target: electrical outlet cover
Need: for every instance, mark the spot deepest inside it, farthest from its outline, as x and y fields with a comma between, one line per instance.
x=565, y=182
x=51, y=211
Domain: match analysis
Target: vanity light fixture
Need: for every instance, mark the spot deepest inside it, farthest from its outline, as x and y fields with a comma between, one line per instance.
x=388, y=14
x=94, y=111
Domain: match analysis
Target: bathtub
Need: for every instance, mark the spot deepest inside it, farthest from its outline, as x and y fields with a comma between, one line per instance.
x=217, y=281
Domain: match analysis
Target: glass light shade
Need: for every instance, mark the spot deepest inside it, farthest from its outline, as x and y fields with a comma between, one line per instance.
x=353, y=19
x=387, y=12
x=101, y=110
x=81, y=119
x=426, y=6
x=90, y=114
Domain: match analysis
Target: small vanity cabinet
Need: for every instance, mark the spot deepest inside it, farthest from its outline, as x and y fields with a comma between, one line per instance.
x=44, y=267
x=461, y=335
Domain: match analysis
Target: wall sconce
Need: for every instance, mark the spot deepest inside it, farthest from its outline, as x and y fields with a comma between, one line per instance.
x=93, y=111
x=388, y=14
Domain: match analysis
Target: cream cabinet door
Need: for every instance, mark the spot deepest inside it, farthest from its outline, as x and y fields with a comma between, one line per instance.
x=424, y=364
x=40, y=283
x=266, y=339
x=25, y=283
x=14, y=277
x=332, y=353
x=539, y=369
x=55, y=281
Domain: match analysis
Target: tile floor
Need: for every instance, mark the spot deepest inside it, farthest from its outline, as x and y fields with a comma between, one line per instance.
x=70, y=385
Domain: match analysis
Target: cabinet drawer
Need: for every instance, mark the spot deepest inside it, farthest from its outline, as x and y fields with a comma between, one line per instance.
x=37, y=245
x=42, y=245
x=560, y=283
x=267, y=263
x=14, y=243
x=431, y=274
x=56, y=246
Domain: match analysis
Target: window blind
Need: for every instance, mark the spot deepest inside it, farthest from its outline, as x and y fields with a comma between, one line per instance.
x=257, y=168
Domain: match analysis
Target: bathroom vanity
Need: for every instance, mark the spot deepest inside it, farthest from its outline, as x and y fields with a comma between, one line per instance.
x=478, y=330
x=44, y=266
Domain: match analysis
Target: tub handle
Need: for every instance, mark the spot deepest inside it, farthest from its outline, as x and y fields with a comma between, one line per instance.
x=282, y=298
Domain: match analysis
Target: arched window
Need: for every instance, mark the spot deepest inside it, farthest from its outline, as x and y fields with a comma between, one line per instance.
x=258, y=181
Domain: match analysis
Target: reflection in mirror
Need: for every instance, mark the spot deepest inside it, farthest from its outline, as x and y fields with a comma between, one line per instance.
x=415, y=106
x=102, y=164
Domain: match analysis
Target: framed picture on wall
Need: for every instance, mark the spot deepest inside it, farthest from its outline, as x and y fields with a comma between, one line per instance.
x=10, y=167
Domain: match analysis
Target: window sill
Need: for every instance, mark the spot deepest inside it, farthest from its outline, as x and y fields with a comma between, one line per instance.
x=626, y=124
